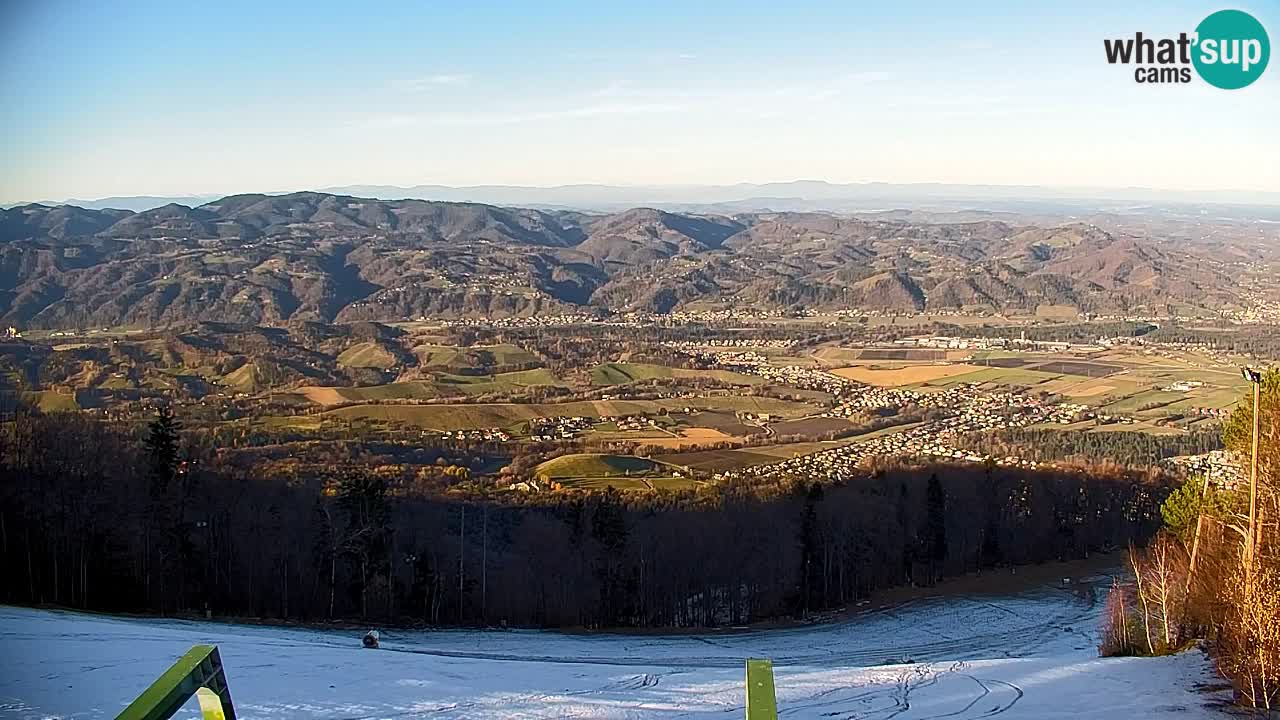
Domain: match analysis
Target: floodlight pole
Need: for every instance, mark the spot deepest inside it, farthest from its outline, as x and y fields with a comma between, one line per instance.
x=1251, y=543
x=1253, y=476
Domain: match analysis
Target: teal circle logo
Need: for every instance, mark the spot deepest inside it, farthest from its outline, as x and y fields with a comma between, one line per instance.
x=1232, y=49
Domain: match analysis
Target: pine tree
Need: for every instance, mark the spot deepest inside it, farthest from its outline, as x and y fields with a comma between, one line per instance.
x=809, y=543
x=161, y=526
x=936, y=528
x=163, y=437
x=363, y=496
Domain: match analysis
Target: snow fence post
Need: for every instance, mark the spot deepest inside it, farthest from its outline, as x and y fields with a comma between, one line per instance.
x=199, y=673
x=761, y=704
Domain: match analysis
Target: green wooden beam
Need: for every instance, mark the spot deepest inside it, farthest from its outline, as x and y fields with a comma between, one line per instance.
x=199, y=672
x=761, y=703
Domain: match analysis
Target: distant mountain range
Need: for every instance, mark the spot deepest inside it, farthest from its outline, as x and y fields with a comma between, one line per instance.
x=275, y=259
x=801, y=195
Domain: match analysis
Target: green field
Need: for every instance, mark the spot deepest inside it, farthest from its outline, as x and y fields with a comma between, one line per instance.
x=1138, y=401
x=246, y=378
x=618, y=373
x=52, y=400
x=502, y=382
x=586, y=465
x=506, y=415
x=440, y=356
x=391, y=391
x=592, y=471
x=445, y=356
x=811, y=426
x=1009, y=377
x=306, y=423
x=442, y=385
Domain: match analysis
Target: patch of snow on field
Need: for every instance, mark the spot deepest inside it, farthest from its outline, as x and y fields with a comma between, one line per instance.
x=1026, y=656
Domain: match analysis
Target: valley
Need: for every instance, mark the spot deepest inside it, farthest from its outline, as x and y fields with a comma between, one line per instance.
x=714, y=398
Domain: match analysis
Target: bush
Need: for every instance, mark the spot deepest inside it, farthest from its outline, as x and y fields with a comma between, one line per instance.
x=1249, y=646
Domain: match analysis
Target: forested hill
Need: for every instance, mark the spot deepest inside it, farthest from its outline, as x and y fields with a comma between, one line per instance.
x=264, y=259
x=98, y=520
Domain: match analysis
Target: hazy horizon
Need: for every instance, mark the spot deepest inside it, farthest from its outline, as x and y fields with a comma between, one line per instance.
x=906, y=194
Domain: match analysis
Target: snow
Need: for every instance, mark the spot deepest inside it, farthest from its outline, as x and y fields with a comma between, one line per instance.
x=1031, y=655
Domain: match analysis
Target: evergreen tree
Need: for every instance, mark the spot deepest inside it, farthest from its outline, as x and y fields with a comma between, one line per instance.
x=936, y=526
x=810, y=560
x=162, y=523
x=163, y=437
x=1182, y=509
x=909, y=548
x=363, y=496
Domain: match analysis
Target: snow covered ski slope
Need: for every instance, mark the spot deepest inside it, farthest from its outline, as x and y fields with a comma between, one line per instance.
x=1031, y=655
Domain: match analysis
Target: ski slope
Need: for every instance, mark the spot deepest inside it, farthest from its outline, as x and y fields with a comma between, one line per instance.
x=1030, y=655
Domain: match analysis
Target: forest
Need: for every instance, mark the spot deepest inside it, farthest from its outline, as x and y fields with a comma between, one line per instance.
x=1136, y=449
x=97, y=518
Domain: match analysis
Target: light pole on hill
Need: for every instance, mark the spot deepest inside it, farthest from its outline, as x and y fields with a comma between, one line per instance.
x=1251, y=543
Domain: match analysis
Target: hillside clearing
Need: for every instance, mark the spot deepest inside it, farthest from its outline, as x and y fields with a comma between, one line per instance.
x=586, y=465
x=367, y=355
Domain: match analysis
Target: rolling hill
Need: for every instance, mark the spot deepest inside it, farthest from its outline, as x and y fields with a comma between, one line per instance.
x=320, y=258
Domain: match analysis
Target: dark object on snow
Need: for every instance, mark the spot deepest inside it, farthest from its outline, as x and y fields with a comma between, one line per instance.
x=371, y=639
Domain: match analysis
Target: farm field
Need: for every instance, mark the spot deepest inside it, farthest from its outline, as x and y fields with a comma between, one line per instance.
x=502, y=382
x=368, y=354
x=737, y=458
x=620, y=373
x=861, y=356
x=811, y=426
x=52, y=400
x=720, y=421
x=1077, y=367
x=595, y=465
x=441, y=385
x=690, y=437
x=1121, y=382
x=391, y=391
x=908, y=375
x=593, y=471
x=445, y=356
x=996, y=377
x=492, y=415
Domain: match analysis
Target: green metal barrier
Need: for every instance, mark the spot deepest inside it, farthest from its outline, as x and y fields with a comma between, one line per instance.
x=761, y=703
x=198, y=673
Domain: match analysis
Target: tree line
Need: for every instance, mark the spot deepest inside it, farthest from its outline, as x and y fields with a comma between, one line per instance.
x=1134, y=448
x=149, y=521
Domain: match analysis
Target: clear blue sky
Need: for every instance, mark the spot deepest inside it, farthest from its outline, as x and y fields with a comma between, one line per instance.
x=122, y=98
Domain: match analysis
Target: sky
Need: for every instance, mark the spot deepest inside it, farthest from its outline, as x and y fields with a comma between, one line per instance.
x=174, y=98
